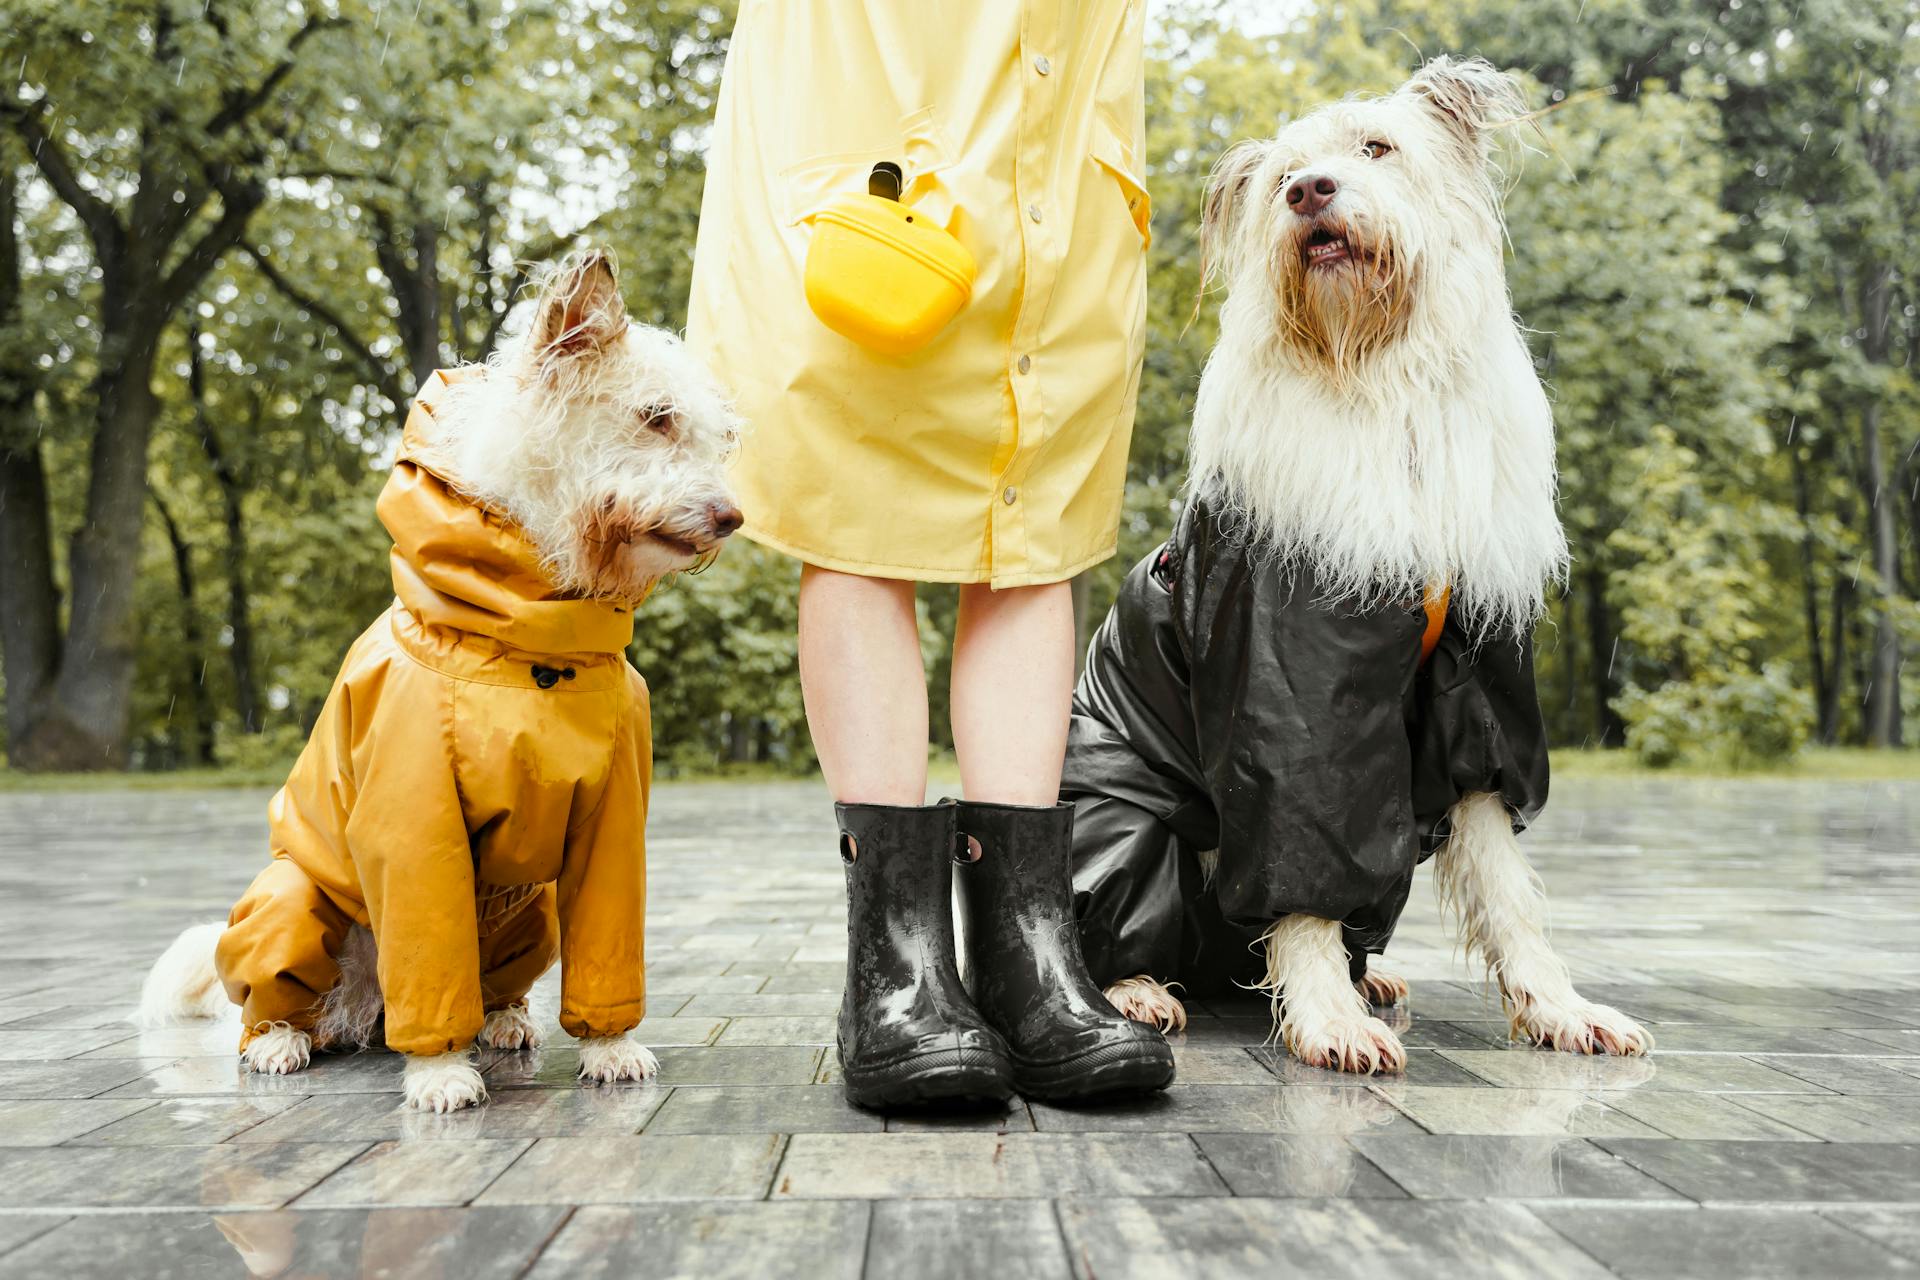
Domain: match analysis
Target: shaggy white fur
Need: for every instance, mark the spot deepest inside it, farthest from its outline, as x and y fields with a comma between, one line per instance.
x=512, y=1028
x=442, y=1082
x=184, y=984
x=1145, y=1000
x=1485, y=880
x=1371, y=407
x=350, y=1011
x=280, y=1050
x=606, y=1059
x=606, y=441
x=1381, y=987
x=1319, y=1015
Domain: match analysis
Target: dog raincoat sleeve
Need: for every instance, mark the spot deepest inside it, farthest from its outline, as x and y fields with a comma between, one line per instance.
x=1226, y=706
x=475, y=790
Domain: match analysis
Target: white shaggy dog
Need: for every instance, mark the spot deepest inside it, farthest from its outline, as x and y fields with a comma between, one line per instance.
x=1371, y=418
x=534, y=504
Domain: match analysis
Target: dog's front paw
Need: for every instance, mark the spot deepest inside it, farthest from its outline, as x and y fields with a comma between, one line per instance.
x=1573, y=1025
x=1144, y=1000
x=280, y=1050
x=1345, y=1042
x=444, y=1082
x=606, y=1059
x=511, y=1028
x=1377, y=986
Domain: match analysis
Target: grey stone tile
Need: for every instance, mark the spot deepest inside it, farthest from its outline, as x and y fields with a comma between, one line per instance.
x=758, y=1031
x=1842, y=1119
x=373, y=1072
x=74, y=1079
x=1295, y=1165
x=1230, y=1108
x=785, y=1004
x=1848, y=1075
x=825, y=978
x=625, y=1170
x=51, y=1044
x=1424, y=1067
x=18, y=1228
x=508, y=1113
x=201, y=1040
x=1526, y=1068
x=416, y=1174
x=771, y=1064
x=680, y=1029
x=1013, y=1116
x=1901, y=1041
x=1218, y=1064
x=1241, y=1033
x=1713, y=1039
x=1513, y=1112
x=963, y=1239
x=798, y=1108
x=1325, y=1239
x=43, y=1122
x=1466, y=1167
x=1432, y=1033
x=474, y=1244
x=1754, y=1244
x=1785, y=1172
x=716, y=1240
x=1702, y=1115
x=920, y=1166
x=1896, y=1228
x=218, y=1177
x=83, y=1016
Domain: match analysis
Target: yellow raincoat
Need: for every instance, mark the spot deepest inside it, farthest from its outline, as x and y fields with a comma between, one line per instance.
x=475, y=792
x=997, y=453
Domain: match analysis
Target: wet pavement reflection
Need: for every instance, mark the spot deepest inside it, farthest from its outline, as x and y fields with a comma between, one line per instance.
x=1767, y=932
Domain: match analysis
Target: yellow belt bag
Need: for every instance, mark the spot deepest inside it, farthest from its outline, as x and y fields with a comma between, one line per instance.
x=881, y=274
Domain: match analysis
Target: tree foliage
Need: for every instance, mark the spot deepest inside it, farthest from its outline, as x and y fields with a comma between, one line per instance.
x=233, y=239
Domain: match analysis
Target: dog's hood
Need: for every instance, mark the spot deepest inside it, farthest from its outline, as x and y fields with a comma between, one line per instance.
x=460, y=565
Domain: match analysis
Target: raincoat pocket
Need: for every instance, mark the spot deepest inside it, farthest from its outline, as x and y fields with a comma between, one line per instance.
x=1112, y=152
x=810, y=185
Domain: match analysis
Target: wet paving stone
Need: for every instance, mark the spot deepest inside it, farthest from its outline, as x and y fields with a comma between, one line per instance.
x=1775, y=1131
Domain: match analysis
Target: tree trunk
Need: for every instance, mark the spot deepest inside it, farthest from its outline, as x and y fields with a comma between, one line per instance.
x=1809, y=578
x=1836, y=681
x=1883, y=678
x=1609, y=730
x=246, y=685
x=82, y=722
x=30, y=622
x=194, y=661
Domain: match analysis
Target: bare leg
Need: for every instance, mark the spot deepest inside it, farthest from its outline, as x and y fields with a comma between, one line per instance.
x=865, y=686
x=1013, y=691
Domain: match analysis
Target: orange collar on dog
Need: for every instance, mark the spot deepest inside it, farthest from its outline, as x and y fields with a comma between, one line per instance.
x=1436, y=607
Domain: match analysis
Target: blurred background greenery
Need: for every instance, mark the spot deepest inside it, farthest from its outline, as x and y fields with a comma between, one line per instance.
x=234, y=238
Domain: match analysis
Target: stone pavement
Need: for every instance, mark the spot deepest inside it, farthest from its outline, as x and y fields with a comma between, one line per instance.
x=1767, y=931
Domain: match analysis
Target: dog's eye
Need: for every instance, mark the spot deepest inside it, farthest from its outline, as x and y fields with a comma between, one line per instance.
x=661, y=420
x=1375, y=148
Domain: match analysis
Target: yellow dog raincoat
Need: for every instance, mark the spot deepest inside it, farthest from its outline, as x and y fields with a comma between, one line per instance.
x=475, y=792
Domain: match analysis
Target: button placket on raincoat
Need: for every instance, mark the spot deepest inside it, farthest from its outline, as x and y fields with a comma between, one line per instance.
x=992, y=455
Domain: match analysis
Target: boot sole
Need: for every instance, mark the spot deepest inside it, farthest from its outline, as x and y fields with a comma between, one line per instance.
x=1103, y=1072
x=944, y=1077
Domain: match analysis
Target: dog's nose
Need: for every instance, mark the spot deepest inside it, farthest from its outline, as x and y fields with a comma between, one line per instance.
x=725, y=517
x=1309, y=193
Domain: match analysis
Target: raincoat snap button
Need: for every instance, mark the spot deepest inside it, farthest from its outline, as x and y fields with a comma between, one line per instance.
x=1026, y=363
x=1033, y=211
x=1012, y=495
x=1041, y=64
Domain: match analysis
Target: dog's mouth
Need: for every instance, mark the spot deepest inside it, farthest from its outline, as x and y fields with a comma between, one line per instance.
x=1326, y=247
x=680, y=547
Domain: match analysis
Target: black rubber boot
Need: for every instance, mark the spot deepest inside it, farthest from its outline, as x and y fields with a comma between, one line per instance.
x=1025, y=971
x=908, y=1034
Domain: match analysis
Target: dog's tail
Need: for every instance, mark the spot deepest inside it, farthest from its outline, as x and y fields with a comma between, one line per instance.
x=184, y=984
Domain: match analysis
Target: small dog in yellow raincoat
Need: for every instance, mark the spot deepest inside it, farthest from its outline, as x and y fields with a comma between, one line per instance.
x=471, y=803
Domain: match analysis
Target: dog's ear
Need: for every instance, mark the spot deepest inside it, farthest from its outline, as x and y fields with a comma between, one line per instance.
x=1226, y=192
x=1471, y=95
x=580, y=310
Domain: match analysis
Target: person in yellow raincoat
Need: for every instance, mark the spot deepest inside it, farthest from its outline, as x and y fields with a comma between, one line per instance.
x=475, y=793
x=992, y=457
